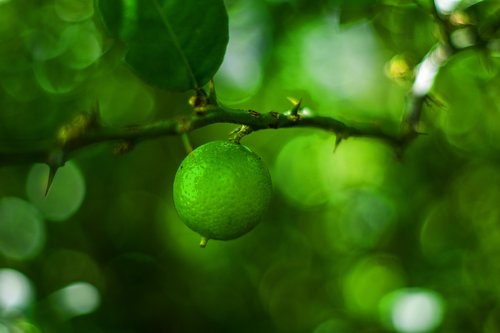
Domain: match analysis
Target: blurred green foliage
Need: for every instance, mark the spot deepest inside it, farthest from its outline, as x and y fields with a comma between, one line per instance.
x=355, y=241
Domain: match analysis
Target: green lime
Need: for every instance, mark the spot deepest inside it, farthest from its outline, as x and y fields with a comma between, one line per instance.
x=221, y=190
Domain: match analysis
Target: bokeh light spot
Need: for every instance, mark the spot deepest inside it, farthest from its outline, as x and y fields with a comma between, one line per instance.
x=77, y=299
x=360, y=163
x=346, y=57
x=121, y=95
x=74, y=10
x=22, y=232
x=240, y=74
x=309, y=173
x=413, y=310
x=84, y=45
x=365, y=217
x=361, y=294
x=340, y=68
x=45, y=44
x=16, y=292
x=447, y=6
x=65, y=195
x=55, y=77
x=299, y=171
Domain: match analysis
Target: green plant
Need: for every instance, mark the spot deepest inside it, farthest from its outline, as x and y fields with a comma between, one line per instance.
x=221, y=190
x=120, y=89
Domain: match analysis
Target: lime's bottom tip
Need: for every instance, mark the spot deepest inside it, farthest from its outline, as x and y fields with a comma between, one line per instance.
x=203, y=242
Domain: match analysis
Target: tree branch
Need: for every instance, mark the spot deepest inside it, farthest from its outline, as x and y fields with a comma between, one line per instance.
x=427, y=71
x=425, y=76
x=95, y=133
x=84, y=132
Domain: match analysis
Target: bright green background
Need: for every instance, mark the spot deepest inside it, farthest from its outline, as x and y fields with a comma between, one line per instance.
x=355, y=241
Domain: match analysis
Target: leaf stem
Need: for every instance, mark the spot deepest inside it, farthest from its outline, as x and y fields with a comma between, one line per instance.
x=187, y=143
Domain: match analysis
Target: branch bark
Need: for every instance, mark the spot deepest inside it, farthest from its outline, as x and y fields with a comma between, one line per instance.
x=94, y=133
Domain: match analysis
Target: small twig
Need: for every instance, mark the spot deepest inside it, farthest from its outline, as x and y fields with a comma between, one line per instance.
x=443, y=24
x=426, y=73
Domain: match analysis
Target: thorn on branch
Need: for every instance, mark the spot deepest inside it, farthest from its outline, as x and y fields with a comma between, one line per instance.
x=294, y=112
x=55, y=160
x=52, y=174
x=338, y=140
x=339, y=137
x=296, y=108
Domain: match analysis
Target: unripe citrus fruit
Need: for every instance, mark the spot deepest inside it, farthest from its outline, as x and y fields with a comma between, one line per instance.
x=221, y=190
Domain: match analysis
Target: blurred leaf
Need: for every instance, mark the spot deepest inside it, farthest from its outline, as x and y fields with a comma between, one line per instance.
x=486, y=15
x=175, y=44
x=359, y=10
x=355, y=12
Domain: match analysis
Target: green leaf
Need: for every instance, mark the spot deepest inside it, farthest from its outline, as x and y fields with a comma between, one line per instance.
x=351, y=12
x=172, y=44
x=355, y=14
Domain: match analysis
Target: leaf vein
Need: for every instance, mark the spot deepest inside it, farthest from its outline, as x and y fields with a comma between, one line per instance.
x=176, y=42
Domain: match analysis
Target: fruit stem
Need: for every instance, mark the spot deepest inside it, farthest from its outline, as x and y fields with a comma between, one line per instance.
x=187, y=143
x=203, y=241
x=237, y=134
